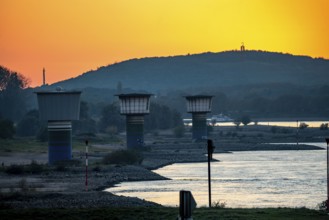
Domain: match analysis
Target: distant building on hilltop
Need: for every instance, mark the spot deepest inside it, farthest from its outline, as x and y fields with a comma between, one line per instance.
x=242, y=48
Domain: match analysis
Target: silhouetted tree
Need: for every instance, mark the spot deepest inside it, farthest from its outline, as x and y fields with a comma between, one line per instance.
x=179, y=131
x=303, y=125
x=84, y=110
x=12, y=103
x=111, y=117
x=29, y=125
x=162, y=117
x=86, y=124
x=42, y=134
x=119, y=87
x=237, y=122
x=245, y=119
x=7, y=129
x=324, y=126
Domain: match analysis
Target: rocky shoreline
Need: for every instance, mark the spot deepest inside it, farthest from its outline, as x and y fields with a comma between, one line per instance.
x=67, y=189
x=91, y=199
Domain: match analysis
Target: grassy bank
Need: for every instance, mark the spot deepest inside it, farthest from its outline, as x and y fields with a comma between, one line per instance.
x=163, y=213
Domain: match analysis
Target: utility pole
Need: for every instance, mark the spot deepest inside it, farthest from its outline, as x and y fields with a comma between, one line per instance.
x=297, y=132
x=210, y=148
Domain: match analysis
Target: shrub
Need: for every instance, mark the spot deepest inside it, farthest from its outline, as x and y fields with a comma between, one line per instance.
x=179, y=131
x=219, y=204
x=64, y=165
x=28, y=126
x=237, y=122
x=324, y=126
x=7, y=129
x=123, y=157
x=60, y=167
x=245, y=119
x=97, y=169
x=35, y=168
x=322, y=206
x=303, y=125
x=15, y=169
x=112, y=130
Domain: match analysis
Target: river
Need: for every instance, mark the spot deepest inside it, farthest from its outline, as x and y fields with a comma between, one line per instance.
x=292, y=124
x=241, y=179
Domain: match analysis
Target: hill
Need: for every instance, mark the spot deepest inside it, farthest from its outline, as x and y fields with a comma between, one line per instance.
x=230, y=68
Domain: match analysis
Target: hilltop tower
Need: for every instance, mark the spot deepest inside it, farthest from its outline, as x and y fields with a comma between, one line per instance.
x=59, y=108
x=135, y=106
x=199, y=106
x=242, y=48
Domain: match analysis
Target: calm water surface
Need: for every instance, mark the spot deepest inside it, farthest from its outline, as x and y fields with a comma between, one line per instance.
x=241, y=179
x=293, y=124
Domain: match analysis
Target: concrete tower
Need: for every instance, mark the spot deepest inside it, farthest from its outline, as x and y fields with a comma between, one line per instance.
x=59, y=108
x=199, y=106
x=135, y=106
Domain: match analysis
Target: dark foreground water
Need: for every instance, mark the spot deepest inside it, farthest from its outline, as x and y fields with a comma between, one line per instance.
x=242, y=179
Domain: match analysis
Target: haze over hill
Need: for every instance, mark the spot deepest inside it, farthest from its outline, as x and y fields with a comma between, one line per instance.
x=229, y=68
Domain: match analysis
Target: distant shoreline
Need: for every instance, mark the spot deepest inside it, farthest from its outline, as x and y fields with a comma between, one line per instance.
x=280, y=122
x=273, y=119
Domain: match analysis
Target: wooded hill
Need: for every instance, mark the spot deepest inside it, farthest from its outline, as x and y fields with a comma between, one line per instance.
x=206, y=70
x=256, y=83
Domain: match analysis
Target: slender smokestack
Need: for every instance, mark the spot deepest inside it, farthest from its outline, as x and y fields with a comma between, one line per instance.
x=44, y=76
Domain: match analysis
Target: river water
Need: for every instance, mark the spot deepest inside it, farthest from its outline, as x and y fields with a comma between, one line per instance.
x=292, y=124
x=241, y=179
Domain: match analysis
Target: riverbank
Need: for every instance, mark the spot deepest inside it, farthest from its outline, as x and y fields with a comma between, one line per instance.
x=64, y=187
x=67, y=189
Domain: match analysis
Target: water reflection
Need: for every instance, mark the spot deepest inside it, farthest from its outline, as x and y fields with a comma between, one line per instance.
x=242, y=179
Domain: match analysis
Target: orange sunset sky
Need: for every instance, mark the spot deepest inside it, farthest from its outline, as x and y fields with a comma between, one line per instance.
x=69, y=37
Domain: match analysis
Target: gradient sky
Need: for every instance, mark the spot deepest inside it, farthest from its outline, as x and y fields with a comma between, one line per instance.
x=69, y=37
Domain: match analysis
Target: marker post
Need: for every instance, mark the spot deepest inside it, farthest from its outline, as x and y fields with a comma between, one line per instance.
x=86, y=183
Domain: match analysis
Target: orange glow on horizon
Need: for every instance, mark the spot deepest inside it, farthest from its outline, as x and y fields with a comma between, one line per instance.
x=72, y=37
